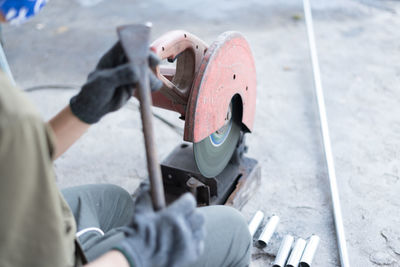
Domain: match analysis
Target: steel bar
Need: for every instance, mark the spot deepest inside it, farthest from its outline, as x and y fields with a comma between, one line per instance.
x=4, y=66
x=296, y=253
x=255, y=222
x=283, y=251
x=135, y=42
x=268, y=231
x=337, y=212
x=309, y=251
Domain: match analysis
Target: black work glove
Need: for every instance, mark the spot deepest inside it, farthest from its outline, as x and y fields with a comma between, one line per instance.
x=110, y=85
x=171, y=237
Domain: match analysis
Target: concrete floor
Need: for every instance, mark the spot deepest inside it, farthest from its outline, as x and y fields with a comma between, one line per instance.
x=359, y=53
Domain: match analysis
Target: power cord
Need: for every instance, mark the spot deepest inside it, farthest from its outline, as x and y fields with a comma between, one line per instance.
x=131, y=105
x=51, y=87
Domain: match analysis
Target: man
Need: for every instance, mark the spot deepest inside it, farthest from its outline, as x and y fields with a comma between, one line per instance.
x=41, y=227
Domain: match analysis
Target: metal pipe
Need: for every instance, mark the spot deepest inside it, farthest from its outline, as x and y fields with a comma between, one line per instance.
x=5, y=67
x=296, y=253
x=268, y=231
x=135, y=41
x=309, y=251
x=337, y=212
x=283, y=251
x=255, y=222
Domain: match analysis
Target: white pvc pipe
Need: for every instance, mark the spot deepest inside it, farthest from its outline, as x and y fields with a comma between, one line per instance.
x=337, y=212
x=309, y=251
x=268, y=231
x=255, y=222
x=296, y=253
x=283, y=251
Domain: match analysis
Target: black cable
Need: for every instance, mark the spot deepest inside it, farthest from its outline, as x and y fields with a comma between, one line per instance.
x=51, y=87
x=173, y=127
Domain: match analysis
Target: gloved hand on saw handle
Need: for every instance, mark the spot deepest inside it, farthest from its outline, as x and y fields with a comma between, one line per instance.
x=171, y=237
x=110, y=85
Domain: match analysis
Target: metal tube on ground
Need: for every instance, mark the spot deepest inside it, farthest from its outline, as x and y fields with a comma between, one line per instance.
x=255, y=222
x=283, y=251
x=268, y=231
x=309, y=251
x=296, y=253
x=337, y=212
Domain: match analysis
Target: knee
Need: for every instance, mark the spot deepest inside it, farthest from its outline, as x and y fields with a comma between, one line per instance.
x=119, y=196
x=228, y=217
x=229, y=222
x=227, y=232
x=106, y=192
x=115, y=190
x=104, y=200
x=95, y=190
x=238, y=223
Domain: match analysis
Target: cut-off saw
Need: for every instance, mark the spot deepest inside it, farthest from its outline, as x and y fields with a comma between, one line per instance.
x=213, y=89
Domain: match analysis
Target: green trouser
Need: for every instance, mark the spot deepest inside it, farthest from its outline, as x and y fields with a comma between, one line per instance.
x=100, y=210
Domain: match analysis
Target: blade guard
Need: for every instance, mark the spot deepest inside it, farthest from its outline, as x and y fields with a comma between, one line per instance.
x=206, y=80
x=227, y=70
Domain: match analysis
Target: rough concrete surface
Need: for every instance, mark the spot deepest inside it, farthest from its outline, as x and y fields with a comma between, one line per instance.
x=359, y=49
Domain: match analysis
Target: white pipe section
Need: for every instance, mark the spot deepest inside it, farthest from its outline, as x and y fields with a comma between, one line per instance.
x=268, y=231
x=337, y=212
x=255, y=222
x=297, y=251
x=283, y=251
x=309, y=251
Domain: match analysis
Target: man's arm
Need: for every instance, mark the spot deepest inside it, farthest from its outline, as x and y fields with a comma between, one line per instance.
x=107, y=89
x=67, y=129
x=111, y=258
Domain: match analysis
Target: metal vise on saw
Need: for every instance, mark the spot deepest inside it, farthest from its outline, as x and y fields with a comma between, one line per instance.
x=213, y=88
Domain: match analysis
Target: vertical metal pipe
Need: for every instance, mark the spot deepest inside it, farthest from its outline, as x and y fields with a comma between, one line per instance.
x=337, y=212
x=283, y=251
x=309, y=251
x=5, y=67
x=296, y=253
x=255, y=222
x=135, y=41
x=268, y=231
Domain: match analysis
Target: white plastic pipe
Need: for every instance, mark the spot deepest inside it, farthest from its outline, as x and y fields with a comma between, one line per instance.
x=255, y=222
x=296, y=253
x=309, y=251
x=337, y=211
x=283, y=251
x=268, y=231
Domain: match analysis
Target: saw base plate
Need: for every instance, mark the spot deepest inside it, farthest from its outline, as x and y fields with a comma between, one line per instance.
x=233, y=186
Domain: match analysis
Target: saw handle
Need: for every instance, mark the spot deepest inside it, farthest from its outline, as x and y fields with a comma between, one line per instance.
x=188, y=50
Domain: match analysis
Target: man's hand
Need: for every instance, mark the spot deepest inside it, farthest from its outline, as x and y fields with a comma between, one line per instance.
x=109, y=86
x=171, y=237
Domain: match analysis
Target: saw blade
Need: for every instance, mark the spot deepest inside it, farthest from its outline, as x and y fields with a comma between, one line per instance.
x=213, y=153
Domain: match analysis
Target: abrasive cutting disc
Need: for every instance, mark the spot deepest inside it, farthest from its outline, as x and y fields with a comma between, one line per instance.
x=213, y=153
